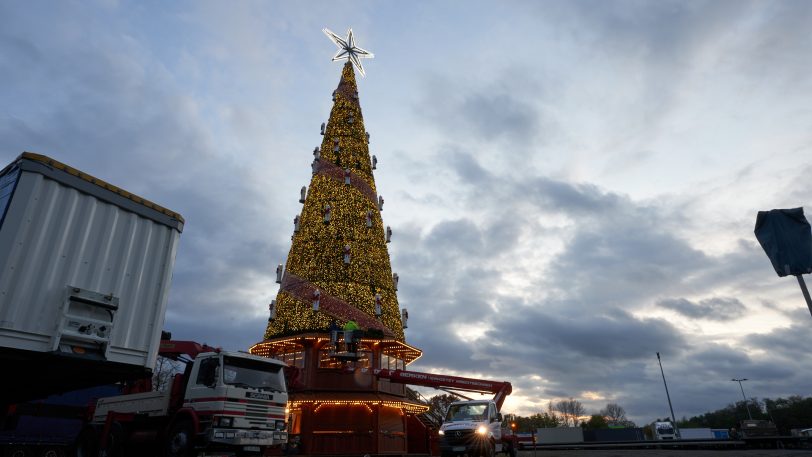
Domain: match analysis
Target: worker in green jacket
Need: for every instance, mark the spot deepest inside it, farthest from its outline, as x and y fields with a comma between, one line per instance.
x=349, y=328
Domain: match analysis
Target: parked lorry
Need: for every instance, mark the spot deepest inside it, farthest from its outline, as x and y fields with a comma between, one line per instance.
x=224, y=403
x=756, y=429
x=472, y=427
x=86, y=268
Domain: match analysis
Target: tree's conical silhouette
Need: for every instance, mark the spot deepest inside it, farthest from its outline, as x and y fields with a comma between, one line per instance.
x=338, y=254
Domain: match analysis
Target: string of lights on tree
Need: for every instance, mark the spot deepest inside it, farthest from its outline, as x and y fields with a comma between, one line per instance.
x=339, y=239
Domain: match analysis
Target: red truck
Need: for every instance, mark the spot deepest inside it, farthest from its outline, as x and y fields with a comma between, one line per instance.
x=224, y=403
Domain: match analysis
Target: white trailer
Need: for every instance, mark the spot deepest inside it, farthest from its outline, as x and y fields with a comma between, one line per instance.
x=696, y=434
x=85, y=269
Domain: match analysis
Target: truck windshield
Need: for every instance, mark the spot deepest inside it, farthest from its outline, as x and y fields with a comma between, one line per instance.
x=253, y=373
x=665, y=430
x=467, y=411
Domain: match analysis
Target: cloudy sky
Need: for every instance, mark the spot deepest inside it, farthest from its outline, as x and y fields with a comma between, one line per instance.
x=572, y=185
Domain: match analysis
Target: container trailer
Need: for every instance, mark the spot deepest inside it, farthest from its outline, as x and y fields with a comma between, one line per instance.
x=85, y=269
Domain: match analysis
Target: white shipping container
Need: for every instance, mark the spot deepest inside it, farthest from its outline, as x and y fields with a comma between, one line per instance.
x=85, y=267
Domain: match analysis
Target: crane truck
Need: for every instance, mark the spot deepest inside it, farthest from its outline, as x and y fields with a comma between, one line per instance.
x=224, y=403
x=472, y=427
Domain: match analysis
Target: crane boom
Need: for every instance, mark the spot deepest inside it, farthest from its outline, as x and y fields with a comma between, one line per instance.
x=500, y=389
x=173, y=349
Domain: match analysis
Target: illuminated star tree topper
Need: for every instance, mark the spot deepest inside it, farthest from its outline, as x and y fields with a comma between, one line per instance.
x=348, y=50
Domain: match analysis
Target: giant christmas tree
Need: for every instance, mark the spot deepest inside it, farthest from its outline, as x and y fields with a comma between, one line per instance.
x=338, y=270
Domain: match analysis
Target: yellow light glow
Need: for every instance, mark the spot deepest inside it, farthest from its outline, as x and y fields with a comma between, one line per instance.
x=405, y=406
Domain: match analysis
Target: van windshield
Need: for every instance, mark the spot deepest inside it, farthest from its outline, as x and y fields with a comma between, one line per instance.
x=467, y=411
x=253, y=373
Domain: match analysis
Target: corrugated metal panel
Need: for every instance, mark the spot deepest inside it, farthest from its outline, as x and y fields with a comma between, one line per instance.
x=54, y=236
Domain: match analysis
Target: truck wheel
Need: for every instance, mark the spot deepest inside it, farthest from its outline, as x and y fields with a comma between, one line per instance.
x=115, y=441
x=87, y=443
x=19, y=451
x=489, y=450
x=180, y=442
x=52, y=452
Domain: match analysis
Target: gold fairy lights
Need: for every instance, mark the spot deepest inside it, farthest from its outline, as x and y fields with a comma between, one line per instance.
x=280, y=346
x=406, y=406
x=318, y=248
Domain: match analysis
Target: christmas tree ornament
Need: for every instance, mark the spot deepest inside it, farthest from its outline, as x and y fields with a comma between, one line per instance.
x=346, y=254
x=296, y=223
x=378, y=307
x=380, y=203
x=322, y=128
x=404, y=316
x=302, y=194
x=347, y=176
x=317, y=154
x=272, y=310
x=327, y=213
x=388, y=234
x=369, y=219
x=374, y=162
x=395, y=279
x=279, y=270
x=316, y=299
x=367, y=137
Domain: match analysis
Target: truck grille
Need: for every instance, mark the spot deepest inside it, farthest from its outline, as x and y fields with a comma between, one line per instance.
x=459, y=436
x=256, y=412
x=257, y=415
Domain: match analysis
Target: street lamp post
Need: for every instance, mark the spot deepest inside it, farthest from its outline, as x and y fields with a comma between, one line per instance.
x=674, y=419
x=746, y=405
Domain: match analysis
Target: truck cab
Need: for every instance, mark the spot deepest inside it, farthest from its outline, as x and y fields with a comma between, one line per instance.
x=230, y=402
x=663, y=431
x=472, y=428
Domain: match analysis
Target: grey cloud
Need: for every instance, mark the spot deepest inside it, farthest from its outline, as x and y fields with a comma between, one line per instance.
x=623, y=261
x=610, y=334
x=717, y=308
x=467, y=167
x=489, y=113
x=460, y=236
x=791, y=343
x=570, y=197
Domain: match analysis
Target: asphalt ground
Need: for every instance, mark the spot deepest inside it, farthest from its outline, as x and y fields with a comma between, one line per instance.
x=670, y=453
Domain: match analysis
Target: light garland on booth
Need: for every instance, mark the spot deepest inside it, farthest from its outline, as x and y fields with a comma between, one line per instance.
x=405, y=406
x=280, y=346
